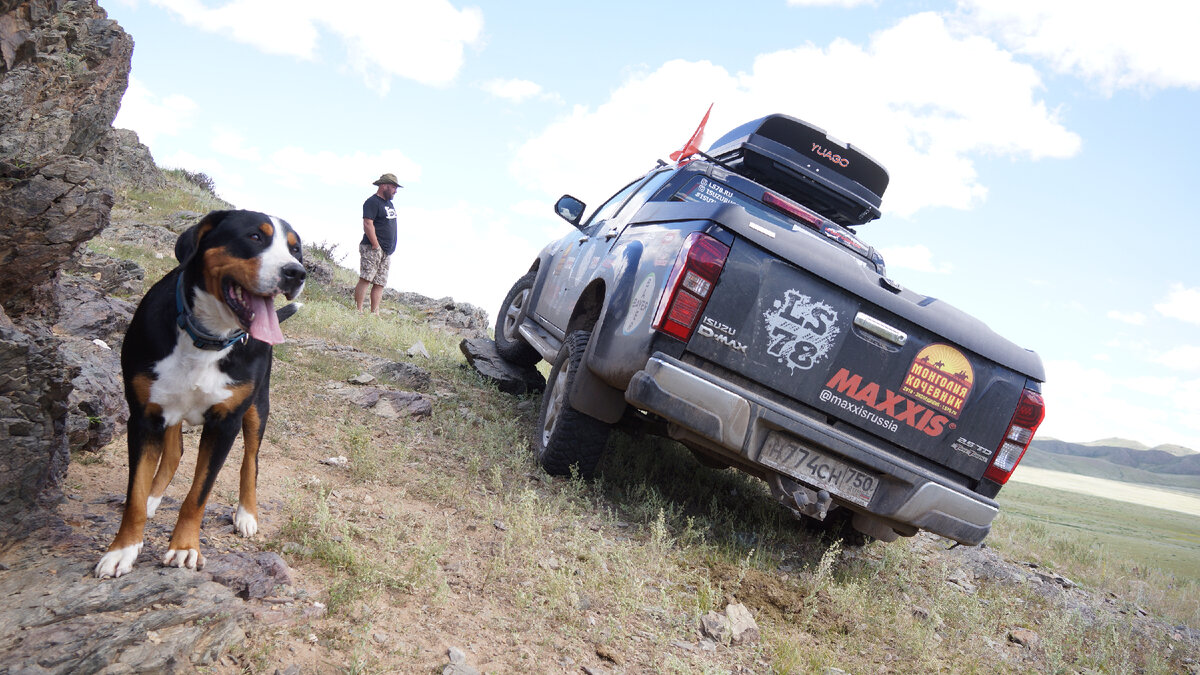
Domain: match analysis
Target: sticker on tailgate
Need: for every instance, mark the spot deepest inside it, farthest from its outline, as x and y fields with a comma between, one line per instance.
x=880, y=405
x=941, y=377
x=800, y=330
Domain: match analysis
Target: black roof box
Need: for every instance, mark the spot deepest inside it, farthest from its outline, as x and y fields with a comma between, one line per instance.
x=837, y=180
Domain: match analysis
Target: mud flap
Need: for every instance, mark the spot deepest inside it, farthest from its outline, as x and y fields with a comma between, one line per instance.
x=594, y=397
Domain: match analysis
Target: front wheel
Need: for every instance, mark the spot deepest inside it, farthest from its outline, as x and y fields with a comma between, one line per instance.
x=565, y=437
x=513, y=311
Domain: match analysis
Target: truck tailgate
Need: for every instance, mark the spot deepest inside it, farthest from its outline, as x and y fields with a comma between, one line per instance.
x=860, y=354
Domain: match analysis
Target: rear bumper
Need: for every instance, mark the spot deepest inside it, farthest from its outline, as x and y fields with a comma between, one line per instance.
x=738, y=421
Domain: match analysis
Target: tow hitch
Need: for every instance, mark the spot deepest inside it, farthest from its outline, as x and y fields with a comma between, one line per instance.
x=800, y=499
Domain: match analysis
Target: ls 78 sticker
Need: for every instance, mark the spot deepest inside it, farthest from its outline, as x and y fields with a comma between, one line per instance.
x=800, y=331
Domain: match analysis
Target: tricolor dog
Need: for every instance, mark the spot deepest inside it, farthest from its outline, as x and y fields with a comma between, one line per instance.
x=198, y=350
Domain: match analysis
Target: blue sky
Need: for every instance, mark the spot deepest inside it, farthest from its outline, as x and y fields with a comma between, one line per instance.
x=1042, y=153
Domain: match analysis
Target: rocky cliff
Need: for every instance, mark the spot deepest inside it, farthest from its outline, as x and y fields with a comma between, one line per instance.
x=64, y=67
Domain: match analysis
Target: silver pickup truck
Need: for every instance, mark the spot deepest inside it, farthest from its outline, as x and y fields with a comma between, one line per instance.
x=727, y=301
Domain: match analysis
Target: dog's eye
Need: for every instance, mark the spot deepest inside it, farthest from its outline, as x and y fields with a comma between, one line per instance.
x=256, y=236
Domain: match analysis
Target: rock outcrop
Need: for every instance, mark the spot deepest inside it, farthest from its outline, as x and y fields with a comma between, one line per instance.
x=64, y=67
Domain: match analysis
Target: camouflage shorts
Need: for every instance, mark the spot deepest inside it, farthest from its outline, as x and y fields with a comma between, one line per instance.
x=374, y=264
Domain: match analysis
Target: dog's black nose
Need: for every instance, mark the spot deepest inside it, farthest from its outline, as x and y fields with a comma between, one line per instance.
x=293, y=272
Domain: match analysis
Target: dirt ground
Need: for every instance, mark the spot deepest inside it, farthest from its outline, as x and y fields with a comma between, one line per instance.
x=396, y=632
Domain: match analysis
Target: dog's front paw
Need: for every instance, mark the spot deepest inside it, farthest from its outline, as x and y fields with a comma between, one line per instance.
x=247, y=524
x=117, y=561
x=184, y=557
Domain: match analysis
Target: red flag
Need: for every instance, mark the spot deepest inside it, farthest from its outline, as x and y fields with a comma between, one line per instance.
x=693, y=144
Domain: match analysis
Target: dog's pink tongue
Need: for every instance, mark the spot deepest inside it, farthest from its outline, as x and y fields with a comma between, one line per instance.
x=265, y=326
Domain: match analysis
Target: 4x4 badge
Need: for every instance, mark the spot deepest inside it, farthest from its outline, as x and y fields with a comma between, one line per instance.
x=800, y=330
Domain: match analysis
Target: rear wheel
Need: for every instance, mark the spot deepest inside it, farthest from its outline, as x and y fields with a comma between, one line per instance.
x=513, y=311
x=565, y=437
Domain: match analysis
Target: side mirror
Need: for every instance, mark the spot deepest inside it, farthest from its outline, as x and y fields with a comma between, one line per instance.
x=569, y=209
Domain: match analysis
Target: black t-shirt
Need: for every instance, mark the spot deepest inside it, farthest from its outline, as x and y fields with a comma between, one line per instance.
x=383, y=213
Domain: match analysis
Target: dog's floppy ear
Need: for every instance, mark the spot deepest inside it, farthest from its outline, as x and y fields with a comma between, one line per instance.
x=189, y=241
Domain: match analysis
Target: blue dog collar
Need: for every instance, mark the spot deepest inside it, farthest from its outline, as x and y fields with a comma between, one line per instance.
x=200, y=338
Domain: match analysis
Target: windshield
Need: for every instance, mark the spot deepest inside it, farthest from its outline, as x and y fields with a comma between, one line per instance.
x=703, y=189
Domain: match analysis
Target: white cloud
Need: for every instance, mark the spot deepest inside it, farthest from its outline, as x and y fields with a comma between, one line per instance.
x=421, y=40
x=1111, y=42
x=293, y=165
x=483, y=271
x=1181, y=303
x=936, y=102
x=916, y=257
x=232, y=144
x=1184, y=357
x=1131, y=318
x=1086, y=404
x=151, y=115
x=515, y=90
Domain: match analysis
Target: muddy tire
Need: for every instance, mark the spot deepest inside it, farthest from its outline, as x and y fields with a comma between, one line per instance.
x=565, y=437
x=509, y=343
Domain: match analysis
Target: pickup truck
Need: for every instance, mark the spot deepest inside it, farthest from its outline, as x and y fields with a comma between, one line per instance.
x=728, y=300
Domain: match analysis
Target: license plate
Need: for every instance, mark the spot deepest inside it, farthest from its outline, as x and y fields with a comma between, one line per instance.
x=820, y=470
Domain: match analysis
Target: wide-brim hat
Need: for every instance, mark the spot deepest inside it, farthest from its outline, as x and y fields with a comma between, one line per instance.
x=388, y=178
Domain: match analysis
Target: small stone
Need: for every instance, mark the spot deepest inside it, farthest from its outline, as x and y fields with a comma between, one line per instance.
x=609, y=654
x=418, y=349
x=456, y=656
x=1024, y=637
x=499, y=525
x=340, y=460
x=362, y=378
x=743, y=629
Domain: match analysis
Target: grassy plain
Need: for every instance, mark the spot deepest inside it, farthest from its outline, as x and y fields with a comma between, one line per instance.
x=1119, y=546
x=1099, y=468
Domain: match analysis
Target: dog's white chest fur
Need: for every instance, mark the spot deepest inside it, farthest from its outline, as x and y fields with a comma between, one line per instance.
x=189, y=382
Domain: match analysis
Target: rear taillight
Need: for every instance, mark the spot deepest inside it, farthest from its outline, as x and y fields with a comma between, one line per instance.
x=1030, y=411
x=793, y=209
x=691, y=282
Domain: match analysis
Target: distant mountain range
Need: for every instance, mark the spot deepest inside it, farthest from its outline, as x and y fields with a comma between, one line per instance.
x=1119, y=459
x=1177, y=450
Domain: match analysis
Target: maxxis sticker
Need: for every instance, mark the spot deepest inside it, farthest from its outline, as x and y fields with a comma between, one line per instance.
x=800, y=330
x=639, y=304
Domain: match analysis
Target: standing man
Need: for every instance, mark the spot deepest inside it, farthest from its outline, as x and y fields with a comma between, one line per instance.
x=378, y=242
